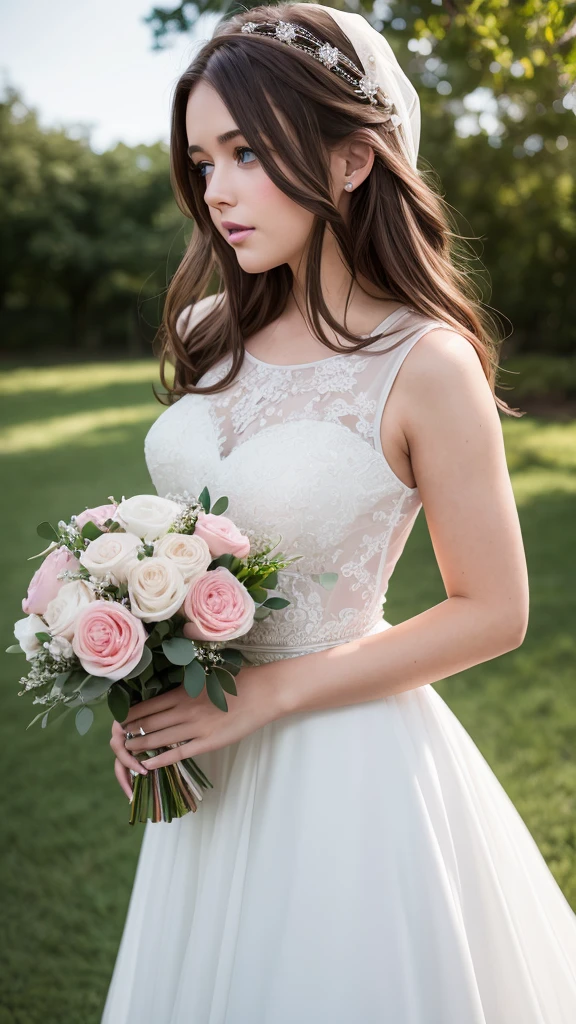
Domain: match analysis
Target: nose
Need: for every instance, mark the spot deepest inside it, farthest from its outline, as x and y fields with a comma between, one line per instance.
x=219, y=190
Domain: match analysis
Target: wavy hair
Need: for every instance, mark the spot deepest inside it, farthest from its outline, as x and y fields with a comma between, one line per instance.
x=399, y=234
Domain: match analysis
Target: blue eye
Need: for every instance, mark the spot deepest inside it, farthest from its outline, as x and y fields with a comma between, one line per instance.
x=200, y=168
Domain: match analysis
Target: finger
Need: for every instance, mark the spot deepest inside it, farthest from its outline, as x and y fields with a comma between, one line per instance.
x=153, y=723
x=124, y=756
x=177, y=754
x=150, y=706
x=123, y=777
x=162, y=738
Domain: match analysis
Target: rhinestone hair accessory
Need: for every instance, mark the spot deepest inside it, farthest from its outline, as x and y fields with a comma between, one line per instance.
x=365, y=84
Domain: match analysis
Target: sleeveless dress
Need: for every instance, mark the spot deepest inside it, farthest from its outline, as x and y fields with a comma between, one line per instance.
x=358, y=864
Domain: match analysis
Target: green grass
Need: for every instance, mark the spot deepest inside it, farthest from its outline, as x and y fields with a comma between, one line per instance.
x=69, y=437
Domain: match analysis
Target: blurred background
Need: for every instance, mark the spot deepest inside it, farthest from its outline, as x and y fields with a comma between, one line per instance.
x=90, y=237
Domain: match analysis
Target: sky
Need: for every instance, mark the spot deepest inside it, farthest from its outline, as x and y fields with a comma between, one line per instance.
x=91, y=62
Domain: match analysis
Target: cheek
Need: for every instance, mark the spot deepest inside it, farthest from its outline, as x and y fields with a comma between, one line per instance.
x=285, y=223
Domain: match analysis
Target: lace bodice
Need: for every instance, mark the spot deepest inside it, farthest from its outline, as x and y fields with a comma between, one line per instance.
x=297, y=450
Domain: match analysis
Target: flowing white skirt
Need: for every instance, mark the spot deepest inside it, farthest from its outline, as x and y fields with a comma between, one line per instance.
x=360, y=864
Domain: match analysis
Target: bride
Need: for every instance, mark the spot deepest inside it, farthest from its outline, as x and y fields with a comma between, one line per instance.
x=357, y=860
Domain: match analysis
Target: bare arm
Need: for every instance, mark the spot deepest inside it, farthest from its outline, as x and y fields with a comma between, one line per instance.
x=453, y=432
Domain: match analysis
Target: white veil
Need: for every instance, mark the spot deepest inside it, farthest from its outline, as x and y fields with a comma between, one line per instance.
x=384, y=69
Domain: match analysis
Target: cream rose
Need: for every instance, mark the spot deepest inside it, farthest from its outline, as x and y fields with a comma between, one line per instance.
x=113, y=553
x=63, y=610
x=190, y=553
x=25, y=632
x=156, y=588
x=147, y=515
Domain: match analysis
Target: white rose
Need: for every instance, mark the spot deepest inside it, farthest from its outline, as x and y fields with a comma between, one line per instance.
x=113, y=553
x=156, y=589
x=190, y=553
x=147, y=515
x=25, y=632
x=63, y=609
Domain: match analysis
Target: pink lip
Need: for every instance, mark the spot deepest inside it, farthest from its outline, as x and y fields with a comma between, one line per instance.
x=237, y=234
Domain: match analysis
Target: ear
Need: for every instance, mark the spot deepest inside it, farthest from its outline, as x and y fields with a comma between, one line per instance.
x=351, y=160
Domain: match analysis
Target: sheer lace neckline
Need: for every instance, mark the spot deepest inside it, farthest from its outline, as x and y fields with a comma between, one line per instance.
x=396, y=313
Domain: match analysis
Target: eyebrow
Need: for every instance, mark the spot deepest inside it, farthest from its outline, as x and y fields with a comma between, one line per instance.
x=221, y=140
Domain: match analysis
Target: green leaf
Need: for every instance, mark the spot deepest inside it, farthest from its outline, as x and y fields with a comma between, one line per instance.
x=327, y=579
x=83, y=720
x=232, y=655
x=176, y=675
x=194, y=678
x=44, y=722
x=179, y=650
x=262, y=613
x=226, y=680
x=14, y=649
x=215, y=691
x=271, y=581
x=226, y=560
x=73, y=683
x=44, y=638
x=147, y=673
x=219, y=506
x=118, y=702
x=258, y=594
x=276, y=602
x=144, y=662
x=204, y=499
x=47, y=531
x=94, y=686
x=160, y=630
x=90, y=531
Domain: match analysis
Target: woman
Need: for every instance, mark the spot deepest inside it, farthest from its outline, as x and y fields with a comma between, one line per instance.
x=357, y=859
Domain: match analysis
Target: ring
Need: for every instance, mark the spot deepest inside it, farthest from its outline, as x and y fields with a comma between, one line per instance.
x=129, y=736
x=142, y=733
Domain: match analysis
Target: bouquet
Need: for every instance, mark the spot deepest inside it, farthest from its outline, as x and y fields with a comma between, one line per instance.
x=105, y=614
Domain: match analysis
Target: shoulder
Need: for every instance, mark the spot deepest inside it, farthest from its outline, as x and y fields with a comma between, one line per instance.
x=443, y=371
x=194, y=313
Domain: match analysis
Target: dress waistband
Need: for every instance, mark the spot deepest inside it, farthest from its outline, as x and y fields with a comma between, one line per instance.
x=290, y=651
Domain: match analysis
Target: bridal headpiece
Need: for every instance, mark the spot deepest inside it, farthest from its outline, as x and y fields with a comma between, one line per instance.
x=380, y=79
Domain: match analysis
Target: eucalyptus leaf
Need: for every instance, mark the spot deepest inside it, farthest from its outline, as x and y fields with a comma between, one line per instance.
x=204, y=499
x=83, y=720
x=44, y=638
x=47, y=531
x=258, y=594
x=147, y=673
x=94, y=686
x=14, y=649
x=219, y=506
x=232, y=655
x=328, y=579
x=44, y=721
x=118, y=702
x=215, y=691
x=271, y=581
x=226, y=560
x=179, y=650
x=194, y=678
x=276, y=602
x=176, y=675
x=261, y=613
x=144, y=662
x=226, y=680
x=90, y=531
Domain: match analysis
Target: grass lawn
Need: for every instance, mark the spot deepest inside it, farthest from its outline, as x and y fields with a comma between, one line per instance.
x=69, y=437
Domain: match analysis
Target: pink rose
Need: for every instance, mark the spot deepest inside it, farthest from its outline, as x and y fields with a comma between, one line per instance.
x=221, y=535
x=44, y=584
x=108, y=639
x=97, y=515
x=218, y=607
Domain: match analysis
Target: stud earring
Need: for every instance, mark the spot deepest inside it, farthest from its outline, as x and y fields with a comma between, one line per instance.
x=348, y=186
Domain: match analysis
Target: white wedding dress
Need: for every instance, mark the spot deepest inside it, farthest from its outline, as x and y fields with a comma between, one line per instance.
x=359, y=865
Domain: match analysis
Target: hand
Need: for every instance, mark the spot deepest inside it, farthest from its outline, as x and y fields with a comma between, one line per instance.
x=124, y=760
x=197, y=723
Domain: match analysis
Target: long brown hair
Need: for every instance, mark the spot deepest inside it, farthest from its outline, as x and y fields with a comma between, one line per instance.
x=399, y=234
